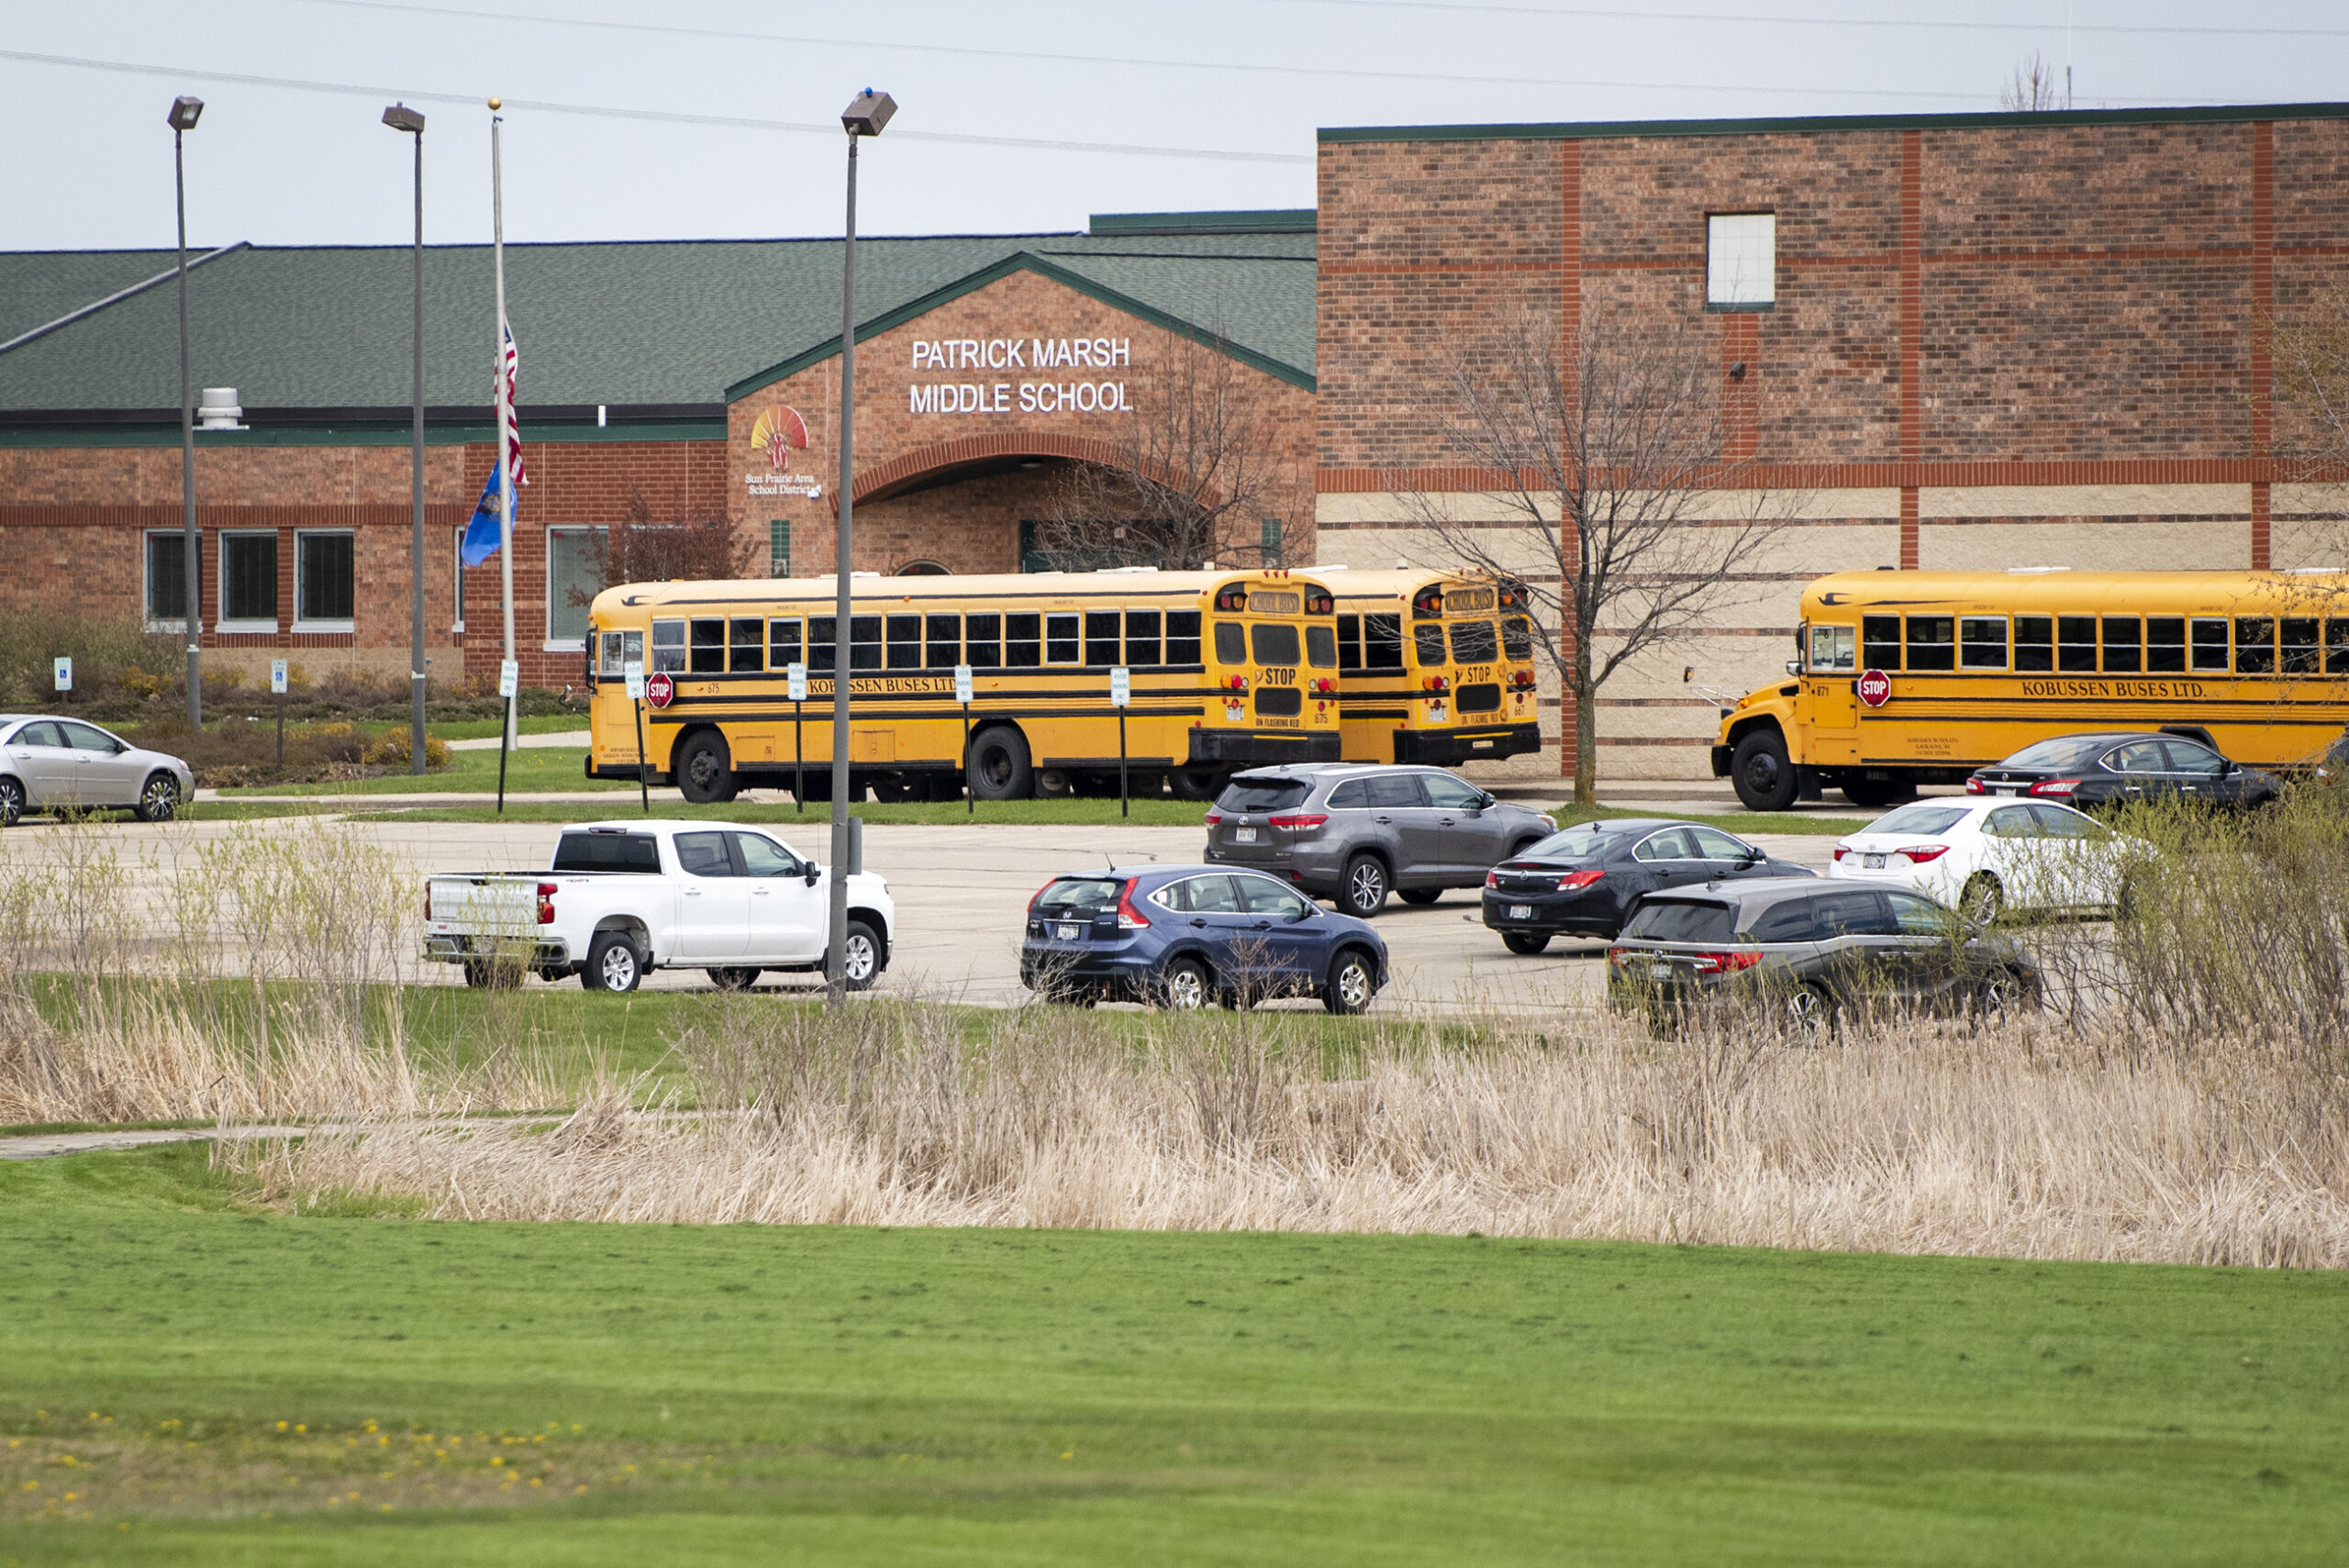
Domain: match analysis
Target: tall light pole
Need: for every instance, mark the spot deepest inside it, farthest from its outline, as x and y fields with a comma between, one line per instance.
x=400, y=118
x=185, y=112
x=864, y=116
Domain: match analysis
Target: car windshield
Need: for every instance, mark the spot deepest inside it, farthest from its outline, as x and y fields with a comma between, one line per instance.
x=2063, y=751
x=608, y=851
x=1920, y=817
x=1261, y=794
x=1573, y=843
x=1079, y=894
x=1680, y=921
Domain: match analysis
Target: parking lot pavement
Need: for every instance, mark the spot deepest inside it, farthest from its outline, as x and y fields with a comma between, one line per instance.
x=962, y=894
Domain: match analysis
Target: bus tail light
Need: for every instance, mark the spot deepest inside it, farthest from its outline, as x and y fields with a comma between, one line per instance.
x=1428, y=604
x=1238, y=683
x=2059, y=787
x=1128, y=918
x=546, y=904
x=1320, y=605
x=1575, y=881
x=1919, y=853
x=1299, y=819
x=1438, y=684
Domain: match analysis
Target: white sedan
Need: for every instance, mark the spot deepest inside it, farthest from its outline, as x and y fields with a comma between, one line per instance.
x=1982, y=856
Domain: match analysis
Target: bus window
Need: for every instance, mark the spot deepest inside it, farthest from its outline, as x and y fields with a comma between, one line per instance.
x=1517, y=639
x=1024, y=640
x=668, y=646
x=2255, y=645
x=1230, y=643
x=1428, y=646
x=710, y=645
x=1061, y=645
x=620, y=649
x=1880, y=642
x=905, y=641
x=2210, y=644
x=1831, y=648
x=1101, y=637
x=749, y=640
x=2076, y=644
x=2299, y=645
x=1320, y=647
x=782, y=643
x=1274, y=642
x=983, y=641
x=1183, y=636
x=2336, y=648
x=2121, y=654
x=1350, y=642
x=1141, y=638
x=941, y=641
x=1381, y=642
x=1982, y=642
x=2164, y=645
x=1473, y=643
x=1279, y=702
x=820, y=638
x=2034, y=643
x=864, y=642
x=1932, y=642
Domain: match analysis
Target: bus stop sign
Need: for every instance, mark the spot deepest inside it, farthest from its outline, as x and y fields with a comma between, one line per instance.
x=1875, y=688
x=659, y=688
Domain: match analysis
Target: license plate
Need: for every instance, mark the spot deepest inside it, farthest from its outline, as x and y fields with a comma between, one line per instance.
x=1520, y=911
x=2006, y=789
x=1243, y=835
x=1872, y=862
x=1068, y=933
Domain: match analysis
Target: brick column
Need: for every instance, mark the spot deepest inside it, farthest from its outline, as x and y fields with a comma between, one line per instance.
x=1570, y=326
x=2262, y=317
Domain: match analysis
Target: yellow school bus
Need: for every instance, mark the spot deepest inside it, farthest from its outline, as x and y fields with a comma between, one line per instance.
x=1433, y=667
x=1227, y=669
x=1904, y=678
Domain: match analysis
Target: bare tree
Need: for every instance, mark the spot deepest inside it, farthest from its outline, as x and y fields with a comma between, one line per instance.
x=644, y=548
x=2033, y=89
x=1192, y=465
x=2311, y=353
x=1608, y=451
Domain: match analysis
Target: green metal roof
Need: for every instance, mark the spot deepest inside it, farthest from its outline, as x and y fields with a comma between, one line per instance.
x=656, y=330
x=1262, y=220
x=1577, y=130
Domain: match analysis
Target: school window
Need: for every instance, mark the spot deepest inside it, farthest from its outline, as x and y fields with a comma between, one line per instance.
x=167, y=578
x=1740, y=261
x=778, y=548
x=248, y=581
x=1932, y=642
x=1268, y=542
x=1061, y=642
x=1982, y=642
x=1880, y=642
x=2123, y=653
x=325, y=579
x=2076, y=644
x=1350, y=642
x=1517, y=639
x=457, y=572
x=783, y=643
x=904, y=641
x=1428, y=646
x=573, y=583
x=618, y=650
x=823, y=636
x=1141, y=638
x=1102, y=637
x=1230, y=643
x=2034, y=644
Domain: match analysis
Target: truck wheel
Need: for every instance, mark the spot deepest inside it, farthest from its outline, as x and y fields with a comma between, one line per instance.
x=705, y=771
x=1760, y=770
x=999, y=765
x=613, y=963
x=861, y=956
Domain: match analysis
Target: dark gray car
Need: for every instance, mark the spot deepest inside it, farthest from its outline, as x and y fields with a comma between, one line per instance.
x=1350, y=832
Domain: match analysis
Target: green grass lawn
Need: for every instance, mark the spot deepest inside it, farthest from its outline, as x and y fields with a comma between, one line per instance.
x=236, y=1387
x=528, y=724
x=529, y=768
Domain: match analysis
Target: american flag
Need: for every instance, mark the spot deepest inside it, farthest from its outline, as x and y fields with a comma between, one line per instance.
x=513, y=426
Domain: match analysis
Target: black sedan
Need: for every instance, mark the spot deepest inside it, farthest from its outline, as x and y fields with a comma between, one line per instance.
x=2097, y=772
x=1584, y=880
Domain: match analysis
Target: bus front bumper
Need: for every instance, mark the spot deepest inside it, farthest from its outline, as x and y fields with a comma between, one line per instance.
x=1252, y=746
x=1449, y=748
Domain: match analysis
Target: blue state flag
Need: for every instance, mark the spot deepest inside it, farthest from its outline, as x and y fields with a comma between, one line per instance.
x=483, y=535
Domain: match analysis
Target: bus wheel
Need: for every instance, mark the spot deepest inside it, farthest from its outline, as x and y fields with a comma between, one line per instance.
x=704, y=771
x=1759, y=769
x=1198, y=783
x=999, y=765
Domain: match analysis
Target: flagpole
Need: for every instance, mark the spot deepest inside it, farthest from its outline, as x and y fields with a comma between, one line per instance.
x=505, y=467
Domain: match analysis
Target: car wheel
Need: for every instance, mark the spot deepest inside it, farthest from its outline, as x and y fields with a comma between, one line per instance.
x=1761, y=773
x=1353, y=983
x=1982, y=899
x=1420, y=896
x=12, y=802
x=1366, y=886
x=998, y=766
x=1526, y=942
x=1198, y=783
x=613, y=964
x=1808, y=1011
x=705, y=771
x=2003, y=994
x=1184, y=988
x=732, y=979
x=861, y=956
x=159, y=798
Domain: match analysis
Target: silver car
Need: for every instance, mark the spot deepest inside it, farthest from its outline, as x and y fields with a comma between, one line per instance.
x=49, y=764
x=1350, y=832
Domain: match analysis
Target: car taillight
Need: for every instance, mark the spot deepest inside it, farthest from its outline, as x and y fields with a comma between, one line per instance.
x=2054, y=786
x=1840, y=850
x=1921, y=854
x=1574, y=881
x=1974, y=787
x=1299, y=819
x=1724, y=962
x=1038, y=894
x=1128, y=918
x=546, y=904
x=1214, y=818
x=1493, y=877
x=1615, y=957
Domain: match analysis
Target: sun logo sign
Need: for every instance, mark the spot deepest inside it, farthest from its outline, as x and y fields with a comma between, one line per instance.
x=779, y=432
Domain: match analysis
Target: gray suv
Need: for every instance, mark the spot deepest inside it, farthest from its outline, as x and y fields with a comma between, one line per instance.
x=1350, y=832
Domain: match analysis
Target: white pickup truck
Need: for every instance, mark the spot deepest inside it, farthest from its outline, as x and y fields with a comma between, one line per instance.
x=622, y=898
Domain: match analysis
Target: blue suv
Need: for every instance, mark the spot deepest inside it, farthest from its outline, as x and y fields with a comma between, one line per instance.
x=1183, y=936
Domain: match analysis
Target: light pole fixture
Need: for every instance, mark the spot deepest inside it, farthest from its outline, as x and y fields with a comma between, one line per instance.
x=185, y=112
x=400, y=118
x=866, y=116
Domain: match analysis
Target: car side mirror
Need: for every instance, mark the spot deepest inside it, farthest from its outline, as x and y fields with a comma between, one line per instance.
x=812, y=873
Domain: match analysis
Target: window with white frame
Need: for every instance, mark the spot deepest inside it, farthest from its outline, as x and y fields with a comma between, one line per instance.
x=248, y=582
x=457, y=572
x=1740, y=261
x=572, y=580
x=167, y=578
x=325, y=579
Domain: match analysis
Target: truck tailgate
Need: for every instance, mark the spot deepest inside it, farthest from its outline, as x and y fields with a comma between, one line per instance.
x=501, y=904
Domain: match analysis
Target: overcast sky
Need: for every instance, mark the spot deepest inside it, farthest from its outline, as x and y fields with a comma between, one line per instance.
x=1210, y=104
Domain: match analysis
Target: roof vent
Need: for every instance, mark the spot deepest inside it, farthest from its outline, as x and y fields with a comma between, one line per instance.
x=217, y=409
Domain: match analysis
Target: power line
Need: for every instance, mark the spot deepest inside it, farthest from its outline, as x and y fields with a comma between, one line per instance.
x=1596, y=14
x=736, y=122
